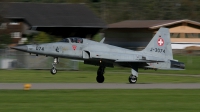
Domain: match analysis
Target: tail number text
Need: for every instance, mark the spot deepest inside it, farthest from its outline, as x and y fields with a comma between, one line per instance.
x=158, y=50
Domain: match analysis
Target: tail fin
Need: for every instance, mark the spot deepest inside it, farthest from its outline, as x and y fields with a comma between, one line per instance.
x=160, y=44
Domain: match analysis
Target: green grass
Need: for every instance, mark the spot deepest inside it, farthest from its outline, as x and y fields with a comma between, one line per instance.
x=100, y=100
x=44, y=76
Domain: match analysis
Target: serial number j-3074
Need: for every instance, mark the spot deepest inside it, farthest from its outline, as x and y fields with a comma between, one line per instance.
x=157, y=50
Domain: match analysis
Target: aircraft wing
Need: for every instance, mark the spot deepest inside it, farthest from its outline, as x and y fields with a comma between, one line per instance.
x=147, y=61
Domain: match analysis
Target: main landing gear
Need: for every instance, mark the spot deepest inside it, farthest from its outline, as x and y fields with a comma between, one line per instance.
x=53, y=70
x=100, y=78
x=133, y=77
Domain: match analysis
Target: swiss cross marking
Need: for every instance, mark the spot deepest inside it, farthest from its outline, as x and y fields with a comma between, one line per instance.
x=74, y=47
x=160, y=42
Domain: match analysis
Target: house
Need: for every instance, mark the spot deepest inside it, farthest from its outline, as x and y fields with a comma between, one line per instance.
x=135, y=34
x=58, y=19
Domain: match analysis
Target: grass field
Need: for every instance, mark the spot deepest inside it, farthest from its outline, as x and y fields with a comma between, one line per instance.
x=100, y=100
x=154, y=100
x=44, y=76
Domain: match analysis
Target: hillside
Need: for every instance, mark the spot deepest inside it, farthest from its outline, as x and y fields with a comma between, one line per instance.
x=117, y=10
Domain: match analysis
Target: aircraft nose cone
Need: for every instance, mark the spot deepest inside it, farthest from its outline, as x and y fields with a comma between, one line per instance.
x=20, y=48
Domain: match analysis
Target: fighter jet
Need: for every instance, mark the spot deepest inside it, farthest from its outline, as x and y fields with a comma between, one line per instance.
x=156, y=55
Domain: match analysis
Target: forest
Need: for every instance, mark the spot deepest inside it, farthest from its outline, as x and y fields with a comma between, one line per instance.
x=118, y=10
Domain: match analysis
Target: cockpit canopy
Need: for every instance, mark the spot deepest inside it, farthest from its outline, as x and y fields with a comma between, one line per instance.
x=65, y=40
x=72, y=40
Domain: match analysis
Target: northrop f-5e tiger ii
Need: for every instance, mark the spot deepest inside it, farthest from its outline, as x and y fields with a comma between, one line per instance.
x=156, y=55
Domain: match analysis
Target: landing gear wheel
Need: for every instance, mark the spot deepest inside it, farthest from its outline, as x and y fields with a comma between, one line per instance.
x=53, y=71
x=100, y=79
x=132, y=79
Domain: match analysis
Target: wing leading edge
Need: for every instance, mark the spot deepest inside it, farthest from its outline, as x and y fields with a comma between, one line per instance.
x=147, y=61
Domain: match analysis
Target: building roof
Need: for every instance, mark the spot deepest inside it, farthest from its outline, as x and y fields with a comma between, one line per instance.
x=52, y=14
x=152, y=24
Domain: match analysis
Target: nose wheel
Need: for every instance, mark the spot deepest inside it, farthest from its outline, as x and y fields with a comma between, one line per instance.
x=53, y=70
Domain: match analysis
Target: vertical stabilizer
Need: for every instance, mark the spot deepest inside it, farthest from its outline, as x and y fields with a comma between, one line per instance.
x=160, y=44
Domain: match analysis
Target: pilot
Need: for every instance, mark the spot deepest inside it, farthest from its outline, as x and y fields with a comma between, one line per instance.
x=73, y=40
x=78, y=41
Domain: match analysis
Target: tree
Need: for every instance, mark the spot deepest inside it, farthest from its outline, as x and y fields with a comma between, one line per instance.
x=5, y=39
x=42, y=37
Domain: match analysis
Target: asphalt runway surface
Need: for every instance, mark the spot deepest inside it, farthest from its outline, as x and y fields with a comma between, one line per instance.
x=43, y=86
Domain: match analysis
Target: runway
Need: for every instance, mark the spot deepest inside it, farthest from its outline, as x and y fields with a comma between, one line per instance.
x=46, y=86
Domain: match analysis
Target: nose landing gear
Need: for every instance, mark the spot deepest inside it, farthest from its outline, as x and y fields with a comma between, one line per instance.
x=53, y=70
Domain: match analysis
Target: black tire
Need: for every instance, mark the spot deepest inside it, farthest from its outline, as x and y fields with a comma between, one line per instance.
x=132, y=79
x=100, y=78
x=53, y=71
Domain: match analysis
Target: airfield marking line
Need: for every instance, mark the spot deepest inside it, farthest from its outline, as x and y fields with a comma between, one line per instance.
x=46, y=86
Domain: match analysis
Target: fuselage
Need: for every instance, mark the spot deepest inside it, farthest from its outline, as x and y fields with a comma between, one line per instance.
x=75, y=50
x=84, y=49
